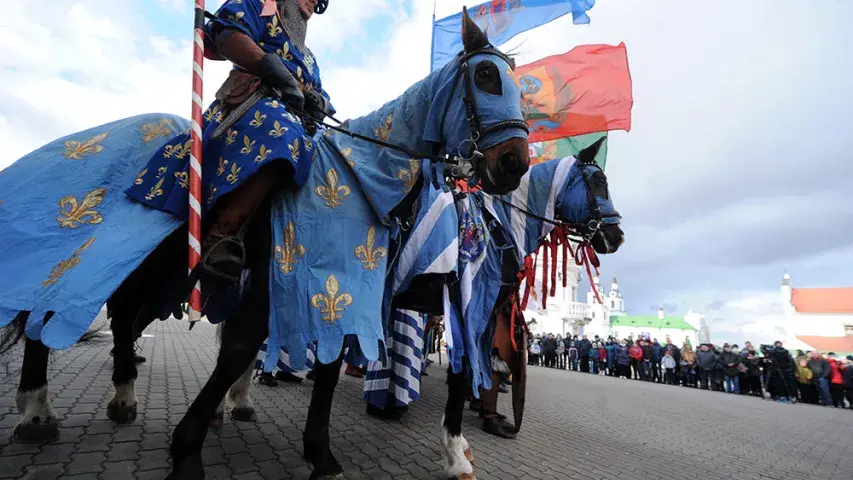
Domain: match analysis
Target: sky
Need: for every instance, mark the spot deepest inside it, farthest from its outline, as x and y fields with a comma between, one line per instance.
x=738, y=165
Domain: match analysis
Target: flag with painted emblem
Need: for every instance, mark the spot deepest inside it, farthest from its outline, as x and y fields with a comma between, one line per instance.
x=502, y=20
x=586, y=90
x=566, y=147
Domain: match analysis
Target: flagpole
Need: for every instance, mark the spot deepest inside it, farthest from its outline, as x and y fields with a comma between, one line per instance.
x=195, y=159
x=432, y=41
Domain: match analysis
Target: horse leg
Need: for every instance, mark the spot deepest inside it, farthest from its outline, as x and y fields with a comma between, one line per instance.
x=38, y=422
x=315, y=439
x=455, y=451
x=243, y=410
x=122, y=408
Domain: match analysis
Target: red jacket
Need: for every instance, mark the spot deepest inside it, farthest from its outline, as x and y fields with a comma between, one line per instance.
x=834, y=372
x=602, y=354
x=636, y=352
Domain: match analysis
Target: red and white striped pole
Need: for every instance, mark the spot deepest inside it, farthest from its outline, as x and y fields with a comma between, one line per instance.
x=195, y=158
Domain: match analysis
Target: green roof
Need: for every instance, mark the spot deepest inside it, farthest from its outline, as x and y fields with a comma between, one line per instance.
x=651, y=321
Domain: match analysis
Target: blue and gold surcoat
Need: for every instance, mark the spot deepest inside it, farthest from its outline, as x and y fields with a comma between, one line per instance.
x=266, y=133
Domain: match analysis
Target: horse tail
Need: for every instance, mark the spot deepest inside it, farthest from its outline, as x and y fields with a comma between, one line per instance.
x=12, y=333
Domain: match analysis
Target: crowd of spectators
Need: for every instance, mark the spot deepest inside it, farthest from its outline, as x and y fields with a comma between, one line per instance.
x=769, y=372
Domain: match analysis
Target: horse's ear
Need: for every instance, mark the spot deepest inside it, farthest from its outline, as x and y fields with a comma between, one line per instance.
x=472, y=37
x=588, y=154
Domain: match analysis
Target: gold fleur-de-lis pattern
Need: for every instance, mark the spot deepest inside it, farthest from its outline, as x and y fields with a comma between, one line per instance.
x=248, y=145
x=76, y=150
x=140, y=178
x=64, y=266
x=332, y=193
x=152, y=131
x=278, y=129
x=294, y=150
x=273, y=27
x=284, y=52
x=347, y=154
x=161, y=171
x=183, y=180
x=263, y=153
x=410, y=176
x=330, y=303
x=234, y=176
x=220, y=170
x=214, y=113
x=287, y=255
x=73, y=214
x=179, y=151
x=383, y=131
x=211, y=194
x=258, y=119
x=156, y=190
x=366, y=252
x=230, y=136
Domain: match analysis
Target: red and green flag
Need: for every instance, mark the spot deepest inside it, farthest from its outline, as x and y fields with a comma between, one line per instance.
x=586, y=90
x=564, y=147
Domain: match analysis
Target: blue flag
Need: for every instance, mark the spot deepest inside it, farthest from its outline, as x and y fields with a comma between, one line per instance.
x=502, y=20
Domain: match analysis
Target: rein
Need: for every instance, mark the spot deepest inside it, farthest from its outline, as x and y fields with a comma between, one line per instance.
x=461, y=166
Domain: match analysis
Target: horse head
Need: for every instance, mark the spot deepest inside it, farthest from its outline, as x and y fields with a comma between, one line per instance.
x=586, y=203
x=476, y=113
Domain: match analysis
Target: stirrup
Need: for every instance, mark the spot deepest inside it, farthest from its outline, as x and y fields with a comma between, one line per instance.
x=228, y=260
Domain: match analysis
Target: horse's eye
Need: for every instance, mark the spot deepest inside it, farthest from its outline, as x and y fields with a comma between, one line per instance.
x=599, y=185
x=488, y=78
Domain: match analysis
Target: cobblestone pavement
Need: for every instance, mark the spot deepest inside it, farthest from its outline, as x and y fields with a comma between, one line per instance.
x=576, y=426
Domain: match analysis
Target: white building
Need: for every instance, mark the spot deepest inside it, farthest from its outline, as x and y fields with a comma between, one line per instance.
x=565, y=315
x=818, y=319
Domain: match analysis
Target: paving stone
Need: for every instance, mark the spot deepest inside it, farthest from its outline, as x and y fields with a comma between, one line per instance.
x=91, y=447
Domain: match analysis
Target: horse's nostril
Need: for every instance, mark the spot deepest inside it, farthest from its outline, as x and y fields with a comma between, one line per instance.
x=508, y=162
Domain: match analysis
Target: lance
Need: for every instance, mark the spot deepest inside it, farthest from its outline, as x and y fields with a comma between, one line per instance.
x=195, y=159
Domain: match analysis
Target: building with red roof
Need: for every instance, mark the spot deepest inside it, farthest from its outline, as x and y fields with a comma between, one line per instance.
x=822, y=317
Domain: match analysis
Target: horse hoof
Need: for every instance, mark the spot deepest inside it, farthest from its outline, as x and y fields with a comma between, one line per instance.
x=244, y=415
x=37, y=432
x=469, y=455
x=217, y=421
x=190, y=468
x=121, y=414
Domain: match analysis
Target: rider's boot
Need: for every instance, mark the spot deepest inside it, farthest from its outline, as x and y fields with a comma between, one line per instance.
x=493, y=422
x=287, y=377
x=223, y=253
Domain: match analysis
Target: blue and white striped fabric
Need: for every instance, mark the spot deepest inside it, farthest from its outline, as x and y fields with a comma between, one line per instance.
x=283, y=363
x=398, y=379
x=546, y=188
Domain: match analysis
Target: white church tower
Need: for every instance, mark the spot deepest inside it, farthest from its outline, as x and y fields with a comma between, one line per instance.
x=614, y=298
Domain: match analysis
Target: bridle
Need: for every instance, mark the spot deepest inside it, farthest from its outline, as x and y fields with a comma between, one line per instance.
x=587, y=228
x=460, y=165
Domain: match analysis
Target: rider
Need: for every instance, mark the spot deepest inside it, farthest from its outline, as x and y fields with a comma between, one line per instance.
x=257, y=124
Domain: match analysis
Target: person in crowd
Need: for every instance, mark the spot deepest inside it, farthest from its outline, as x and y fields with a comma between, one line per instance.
x=602, y=359
x=646, y=369
x=668, y=365
x=729, y=361
x=593, y=359
x=688, y=365
x=706, y=361
x=573, y=353
x=636, y=352
x=584, y=346
x=566, y=344
x=623, y=359
x=657, y=355
x=805, y=381
x=560, y=350
x=847, y=381
x=676, y=354
x=752, y=365
x=610, y=351
x=820, y=372
x=535, y=352
x=836, y=389
x=742, y=379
